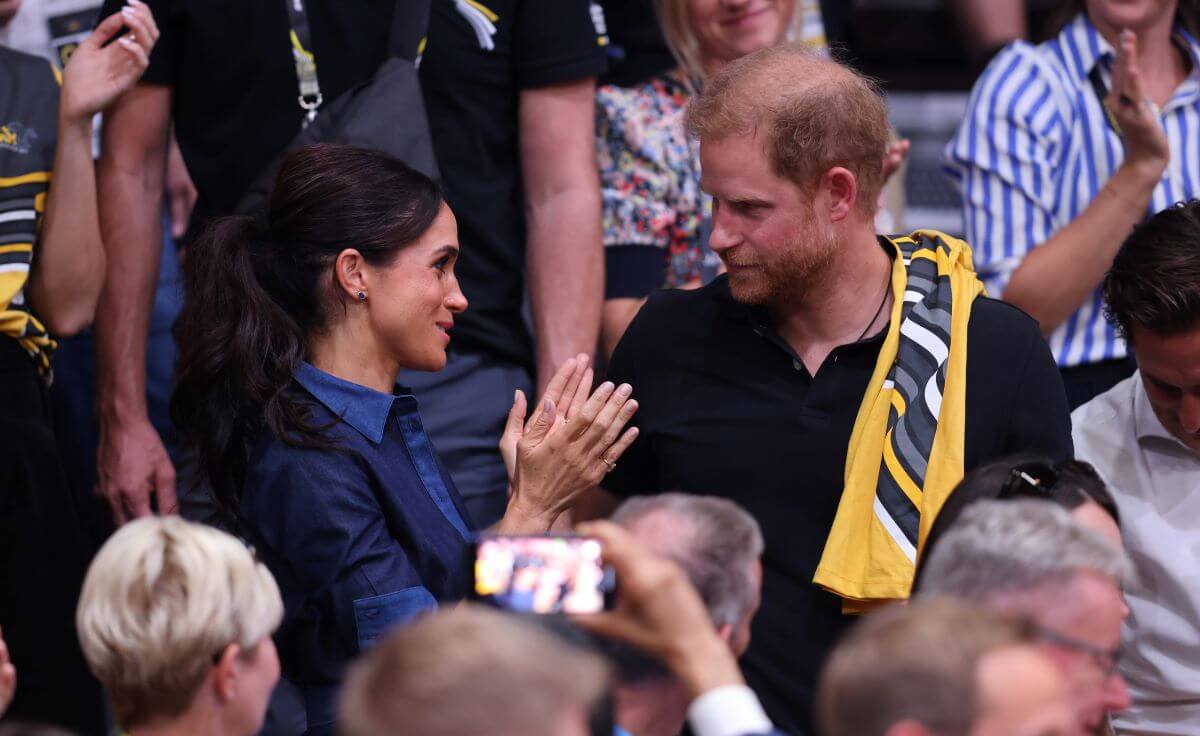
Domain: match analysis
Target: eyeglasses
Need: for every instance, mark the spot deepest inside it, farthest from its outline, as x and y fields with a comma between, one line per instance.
x=1106, y=660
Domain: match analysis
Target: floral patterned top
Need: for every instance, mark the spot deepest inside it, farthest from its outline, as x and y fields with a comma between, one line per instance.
x=654, y=210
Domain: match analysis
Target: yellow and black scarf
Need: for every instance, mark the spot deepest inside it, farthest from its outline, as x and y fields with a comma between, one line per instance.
x=906, y=450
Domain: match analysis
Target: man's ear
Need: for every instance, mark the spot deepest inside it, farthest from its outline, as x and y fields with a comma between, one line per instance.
x=349, y=273
x=841, y=187
x=725, y=631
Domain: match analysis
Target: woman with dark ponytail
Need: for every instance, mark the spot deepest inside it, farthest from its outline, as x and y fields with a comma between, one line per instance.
x=292, y=335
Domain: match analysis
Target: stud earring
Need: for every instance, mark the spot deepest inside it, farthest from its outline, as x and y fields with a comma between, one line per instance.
x=362, y=296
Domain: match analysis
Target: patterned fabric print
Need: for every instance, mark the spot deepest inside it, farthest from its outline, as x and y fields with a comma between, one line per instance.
x=650, y=174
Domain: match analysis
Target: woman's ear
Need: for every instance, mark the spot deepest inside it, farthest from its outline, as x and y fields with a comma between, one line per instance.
x=349, y=272
x=225, y=673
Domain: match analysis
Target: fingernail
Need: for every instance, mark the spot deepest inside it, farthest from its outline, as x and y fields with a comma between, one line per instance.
x=624, y=390
x=127, y=11
x=516, y=394
x=606, y=386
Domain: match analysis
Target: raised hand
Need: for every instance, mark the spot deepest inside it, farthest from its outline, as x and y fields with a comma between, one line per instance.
x=1136, y=116
x=569, y=387
x=99, y=71
x=659, y=612
x=566, y=447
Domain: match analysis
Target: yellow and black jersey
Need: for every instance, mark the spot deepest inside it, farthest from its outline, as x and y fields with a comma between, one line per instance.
x=29, y=89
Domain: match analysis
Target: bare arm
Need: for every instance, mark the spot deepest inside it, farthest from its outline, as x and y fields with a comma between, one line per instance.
x=132, y=462
x=1057, y=277
x=69, y=273
x=562, y=202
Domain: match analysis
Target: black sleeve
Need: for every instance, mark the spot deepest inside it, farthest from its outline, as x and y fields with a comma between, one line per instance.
x=633, y=362
x=558, y=41
x=163, y=64
x=1041, y=418
x=1015, y=397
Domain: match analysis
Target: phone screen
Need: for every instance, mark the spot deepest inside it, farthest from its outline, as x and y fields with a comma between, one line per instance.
x=542, y=574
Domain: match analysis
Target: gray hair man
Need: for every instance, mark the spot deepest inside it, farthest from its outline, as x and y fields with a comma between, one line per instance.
x=719, y=546
x=1031, y=558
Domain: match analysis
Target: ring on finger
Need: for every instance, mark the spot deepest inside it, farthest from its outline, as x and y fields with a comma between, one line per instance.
x=608, y=462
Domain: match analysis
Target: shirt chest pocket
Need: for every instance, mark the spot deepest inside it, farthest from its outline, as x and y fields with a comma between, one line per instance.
x=374, y=617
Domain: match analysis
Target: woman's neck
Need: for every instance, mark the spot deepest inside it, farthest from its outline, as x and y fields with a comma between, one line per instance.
x=1163, y=66
x=346, y=354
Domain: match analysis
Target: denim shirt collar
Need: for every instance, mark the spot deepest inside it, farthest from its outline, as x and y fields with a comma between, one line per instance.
x=365, y=409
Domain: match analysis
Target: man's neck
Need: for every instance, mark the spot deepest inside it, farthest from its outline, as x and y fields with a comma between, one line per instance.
x=657, y=708
x=844, y=306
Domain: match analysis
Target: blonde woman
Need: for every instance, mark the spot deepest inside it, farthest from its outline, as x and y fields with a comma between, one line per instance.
x=655, y=215
x=175, y=620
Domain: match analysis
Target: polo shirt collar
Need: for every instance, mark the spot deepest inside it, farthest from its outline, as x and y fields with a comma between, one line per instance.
x=364, y=409
x=1145, y=422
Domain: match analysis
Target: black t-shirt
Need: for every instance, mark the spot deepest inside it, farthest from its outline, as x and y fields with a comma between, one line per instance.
x=229, y=64
x=726, y=409
x=479, y=57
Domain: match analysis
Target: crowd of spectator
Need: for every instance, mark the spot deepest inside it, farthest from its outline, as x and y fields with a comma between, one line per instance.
x=298, y=298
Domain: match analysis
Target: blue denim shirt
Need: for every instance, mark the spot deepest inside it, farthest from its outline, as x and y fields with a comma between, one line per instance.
x=361, y=537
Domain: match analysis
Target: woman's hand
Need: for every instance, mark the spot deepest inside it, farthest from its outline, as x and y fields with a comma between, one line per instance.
x=8, y=677
x=567, y=448
x=1136, y=116
x=568, y=387
x=98, y=73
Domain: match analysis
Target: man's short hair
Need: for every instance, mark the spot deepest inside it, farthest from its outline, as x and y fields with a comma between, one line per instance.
x=1006, y=548
x=1154, y=282
x=160, y=599
x=469, y=671
x=913, y=662
x=816, y=114
x=713, y=539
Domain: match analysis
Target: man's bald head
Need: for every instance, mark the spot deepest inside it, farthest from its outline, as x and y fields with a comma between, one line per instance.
x=811, y=112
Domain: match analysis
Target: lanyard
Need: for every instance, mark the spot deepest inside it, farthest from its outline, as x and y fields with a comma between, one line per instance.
x=310, y=98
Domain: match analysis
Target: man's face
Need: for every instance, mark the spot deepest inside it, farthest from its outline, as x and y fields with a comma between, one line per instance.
x=1022, y=694
x=1170, y=367
x=1083, y=627
x=765, y=228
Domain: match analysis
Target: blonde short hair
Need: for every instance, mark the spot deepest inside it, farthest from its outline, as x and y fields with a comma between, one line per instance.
x=469, y=671
x=161, y=599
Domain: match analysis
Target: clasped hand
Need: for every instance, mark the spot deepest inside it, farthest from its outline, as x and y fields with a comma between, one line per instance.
x=569, y=444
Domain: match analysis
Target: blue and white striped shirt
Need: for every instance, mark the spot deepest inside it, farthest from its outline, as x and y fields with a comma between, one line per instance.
x=1035, y=148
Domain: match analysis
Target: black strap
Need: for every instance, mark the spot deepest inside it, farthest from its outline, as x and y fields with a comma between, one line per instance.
x=1101, y=91
x=309, y=97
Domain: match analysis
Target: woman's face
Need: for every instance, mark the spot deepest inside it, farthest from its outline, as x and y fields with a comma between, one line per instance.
x=413, y=299
x=258, y=672
x=1136, y=15
x=730, y=29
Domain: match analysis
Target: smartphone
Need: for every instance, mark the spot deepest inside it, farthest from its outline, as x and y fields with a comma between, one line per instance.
x=543, y=574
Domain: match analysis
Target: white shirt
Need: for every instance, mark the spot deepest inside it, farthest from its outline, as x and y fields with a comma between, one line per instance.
x=731, y=710
x=1155, y=479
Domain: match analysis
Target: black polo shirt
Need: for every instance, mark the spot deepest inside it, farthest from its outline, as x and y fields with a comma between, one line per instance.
x=480, y=56
x=727, y=409
x=229, y=65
